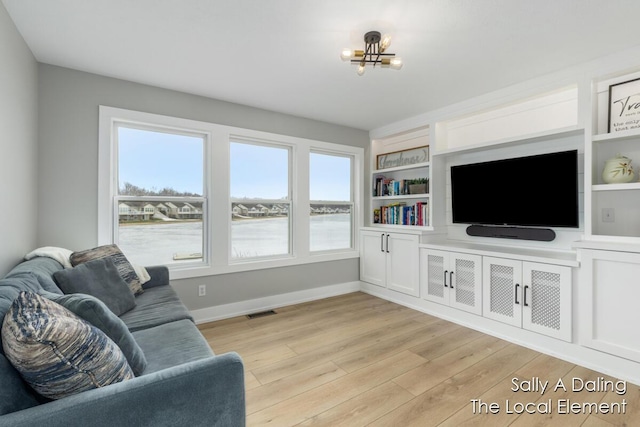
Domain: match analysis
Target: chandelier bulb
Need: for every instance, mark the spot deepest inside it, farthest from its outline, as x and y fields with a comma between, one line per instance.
x=385, y=42
x=346, y=54
x=360, y=69
x=395, y=63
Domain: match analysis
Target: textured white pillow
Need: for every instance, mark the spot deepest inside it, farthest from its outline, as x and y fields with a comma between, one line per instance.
x=142, y=273
x=59, y=254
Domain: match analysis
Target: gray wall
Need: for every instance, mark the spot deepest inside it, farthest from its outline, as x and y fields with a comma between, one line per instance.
x=68, y=182
x=18, y=145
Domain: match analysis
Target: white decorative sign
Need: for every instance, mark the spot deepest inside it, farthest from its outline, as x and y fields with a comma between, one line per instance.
x=403, y=158
x=624, y=106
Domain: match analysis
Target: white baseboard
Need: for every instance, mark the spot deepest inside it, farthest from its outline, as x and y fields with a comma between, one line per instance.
x=242, y=308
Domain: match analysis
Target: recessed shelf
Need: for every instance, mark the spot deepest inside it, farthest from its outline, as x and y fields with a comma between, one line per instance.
x=401, y=168
x=617, y=136
x=616, y=187
x=402, y=196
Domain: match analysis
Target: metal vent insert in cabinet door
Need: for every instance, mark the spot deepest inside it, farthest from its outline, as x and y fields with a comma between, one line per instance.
x=464, y=282
x=436, y=275
x=545, y=299
x=502, y=288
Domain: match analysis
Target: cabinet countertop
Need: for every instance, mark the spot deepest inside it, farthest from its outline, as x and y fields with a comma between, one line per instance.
x=558, y=257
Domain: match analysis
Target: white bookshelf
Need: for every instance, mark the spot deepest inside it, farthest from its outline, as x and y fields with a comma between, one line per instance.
x=399, y=200
x=615, y=208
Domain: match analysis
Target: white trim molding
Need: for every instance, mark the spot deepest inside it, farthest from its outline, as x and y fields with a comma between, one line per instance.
x=225, y=311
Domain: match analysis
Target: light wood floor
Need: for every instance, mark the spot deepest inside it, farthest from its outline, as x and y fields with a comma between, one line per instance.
x=357, y=360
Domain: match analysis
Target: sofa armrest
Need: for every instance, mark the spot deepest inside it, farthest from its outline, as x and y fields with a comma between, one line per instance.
x=159, y=276
x=206, y=392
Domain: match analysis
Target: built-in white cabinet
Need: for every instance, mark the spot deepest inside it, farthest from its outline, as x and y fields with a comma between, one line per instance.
x=533, y=296
x=530, y=285
x=451, y=278
x=609, y=295
x=390, y=259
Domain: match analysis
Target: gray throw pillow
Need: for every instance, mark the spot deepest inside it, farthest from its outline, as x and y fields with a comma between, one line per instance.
x=101, y=279
x=96, y=312
x=57, y=353
x=126, y=270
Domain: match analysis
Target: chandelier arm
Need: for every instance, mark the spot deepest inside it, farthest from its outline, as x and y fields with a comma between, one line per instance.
x=377, y=60
x=369, y=50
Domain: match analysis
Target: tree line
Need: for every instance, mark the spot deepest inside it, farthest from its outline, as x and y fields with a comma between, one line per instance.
x=128, y=189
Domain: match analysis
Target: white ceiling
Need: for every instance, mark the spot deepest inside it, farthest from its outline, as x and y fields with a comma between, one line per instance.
x=283, y=55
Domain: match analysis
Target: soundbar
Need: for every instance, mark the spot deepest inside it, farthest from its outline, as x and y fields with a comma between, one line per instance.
x=503, y=232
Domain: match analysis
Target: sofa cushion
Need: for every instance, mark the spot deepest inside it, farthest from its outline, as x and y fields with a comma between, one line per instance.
x=43, y=268
x=172, y=344
x=10, y=288
x=57, y=353
x=100, y=278
x=15, y=394
x=119, y=259
x=158, y=305
x=98, y=314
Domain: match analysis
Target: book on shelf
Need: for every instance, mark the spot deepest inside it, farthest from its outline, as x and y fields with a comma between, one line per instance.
x=402, y=214
x=383, y=186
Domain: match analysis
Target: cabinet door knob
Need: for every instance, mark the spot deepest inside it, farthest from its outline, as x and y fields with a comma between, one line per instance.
x=524, y=298
x=445, y=278
x=387, y=243
x=517, y=286
x=382, y=242
x=451, y=279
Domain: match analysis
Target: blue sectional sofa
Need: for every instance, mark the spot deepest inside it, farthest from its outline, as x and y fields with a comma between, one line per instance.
x=183, y=384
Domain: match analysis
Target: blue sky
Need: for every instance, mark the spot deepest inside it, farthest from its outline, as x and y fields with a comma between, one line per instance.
x=329, y=177
x=155, y=160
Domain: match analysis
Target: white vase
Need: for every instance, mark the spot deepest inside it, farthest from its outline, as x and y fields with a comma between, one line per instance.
x=618, y=170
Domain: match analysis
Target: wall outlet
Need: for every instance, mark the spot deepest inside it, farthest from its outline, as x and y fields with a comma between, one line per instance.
x=202, y=290
x=608, y=215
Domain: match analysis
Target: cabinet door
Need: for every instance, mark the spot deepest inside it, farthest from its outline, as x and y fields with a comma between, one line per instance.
x=609, y=291
x=433, y=268
x=546, y=299
x=402, y=263
x=465, y=282
x=373, y=257
x=502, y=290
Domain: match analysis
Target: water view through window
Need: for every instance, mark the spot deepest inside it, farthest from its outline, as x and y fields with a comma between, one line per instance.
x=331, y=209
x=160, y=200
x=162, y=209
x=260, y=200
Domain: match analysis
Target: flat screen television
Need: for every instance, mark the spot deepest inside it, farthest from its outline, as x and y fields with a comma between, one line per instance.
x=532, y=191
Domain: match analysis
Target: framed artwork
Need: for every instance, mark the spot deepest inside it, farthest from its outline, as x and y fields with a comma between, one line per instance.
x=402, y=158
x=624, y=106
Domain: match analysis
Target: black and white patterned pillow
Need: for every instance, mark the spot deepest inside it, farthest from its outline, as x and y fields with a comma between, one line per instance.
x=123, y=265
x=56, y=352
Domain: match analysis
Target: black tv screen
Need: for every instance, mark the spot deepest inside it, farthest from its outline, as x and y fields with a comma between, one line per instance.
x=534, y=191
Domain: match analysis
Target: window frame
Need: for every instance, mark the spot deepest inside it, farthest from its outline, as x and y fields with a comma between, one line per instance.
x=289, y=201
x=217, y=190
x=351, y=203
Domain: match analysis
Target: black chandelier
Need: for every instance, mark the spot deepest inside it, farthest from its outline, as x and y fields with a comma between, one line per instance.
x=374, y=53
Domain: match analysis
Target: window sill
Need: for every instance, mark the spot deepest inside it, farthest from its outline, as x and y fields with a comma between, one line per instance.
x=184, y=272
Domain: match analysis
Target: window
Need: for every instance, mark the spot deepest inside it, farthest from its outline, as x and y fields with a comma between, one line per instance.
x=208, y=199
x=160, y=195
x=260, y=200
x=331, y=197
